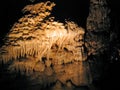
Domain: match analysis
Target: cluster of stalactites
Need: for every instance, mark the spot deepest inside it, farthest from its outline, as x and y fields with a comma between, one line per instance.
x=35, y=36
x=43, y=42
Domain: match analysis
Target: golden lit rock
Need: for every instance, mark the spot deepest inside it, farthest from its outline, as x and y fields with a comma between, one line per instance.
x=39, y=44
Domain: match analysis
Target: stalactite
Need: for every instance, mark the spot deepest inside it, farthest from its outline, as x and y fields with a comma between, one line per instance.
x=37, y=42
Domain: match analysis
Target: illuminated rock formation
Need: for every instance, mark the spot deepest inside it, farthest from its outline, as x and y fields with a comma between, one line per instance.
x=39, y=44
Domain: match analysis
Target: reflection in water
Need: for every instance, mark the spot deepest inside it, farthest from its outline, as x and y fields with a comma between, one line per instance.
x=73, y=76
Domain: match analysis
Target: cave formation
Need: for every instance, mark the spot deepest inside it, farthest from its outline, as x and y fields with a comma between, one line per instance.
x=57, y=49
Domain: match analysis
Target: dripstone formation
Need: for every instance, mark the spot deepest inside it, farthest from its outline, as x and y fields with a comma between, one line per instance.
x=45, y=50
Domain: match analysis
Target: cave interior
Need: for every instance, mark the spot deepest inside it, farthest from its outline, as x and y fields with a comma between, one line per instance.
x=77, y=11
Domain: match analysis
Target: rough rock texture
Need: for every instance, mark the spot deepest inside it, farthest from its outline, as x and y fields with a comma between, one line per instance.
x=46, y=50
x=98, y=37
x=98, y=27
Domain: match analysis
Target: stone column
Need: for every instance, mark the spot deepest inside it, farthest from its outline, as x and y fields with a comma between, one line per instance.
x=98, y=25
x=97, y=35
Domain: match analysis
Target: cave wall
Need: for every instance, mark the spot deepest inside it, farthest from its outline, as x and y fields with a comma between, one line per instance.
x=98, y=36
x=102, y=42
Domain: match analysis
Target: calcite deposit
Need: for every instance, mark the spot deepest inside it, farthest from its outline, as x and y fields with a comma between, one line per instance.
x=44, y=49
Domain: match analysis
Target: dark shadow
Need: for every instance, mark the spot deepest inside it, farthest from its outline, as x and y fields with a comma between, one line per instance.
x=76, y=11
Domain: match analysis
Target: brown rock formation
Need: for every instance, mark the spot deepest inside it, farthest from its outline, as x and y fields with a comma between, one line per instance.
x=98, y=37
x=46, y=50
x=98, y=27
